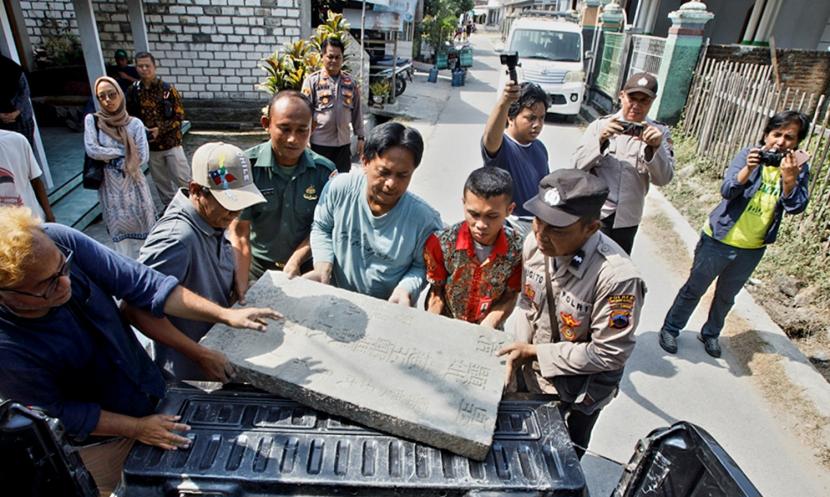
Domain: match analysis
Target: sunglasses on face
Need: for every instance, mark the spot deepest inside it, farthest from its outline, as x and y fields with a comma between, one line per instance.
x=52, y=282
x=109, y=95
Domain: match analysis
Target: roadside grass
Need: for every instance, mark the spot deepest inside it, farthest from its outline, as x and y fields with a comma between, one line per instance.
x=755, y=358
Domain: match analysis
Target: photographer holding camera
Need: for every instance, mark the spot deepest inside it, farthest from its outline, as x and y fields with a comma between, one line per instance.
x=761, y=184
x=628, y=150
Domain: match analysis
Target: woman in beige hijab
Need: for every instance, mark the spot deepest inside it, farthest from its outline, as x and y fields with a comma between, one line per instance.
x=120, y=140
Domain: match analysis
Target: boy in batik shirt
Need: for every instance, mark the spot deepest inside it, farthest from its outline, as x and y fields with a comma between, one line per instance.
x=475, y=266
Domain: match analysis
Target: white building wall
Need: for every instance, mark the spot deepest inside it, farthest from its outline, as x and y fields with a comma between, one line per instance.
x=210, y=49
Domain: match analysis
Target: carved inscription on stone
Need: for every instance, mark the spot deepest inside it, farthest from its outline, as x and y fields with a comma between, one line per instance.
x=468, y=373
x=488, y=346
x=387, y=350
x=401, y=370
x=469, y=413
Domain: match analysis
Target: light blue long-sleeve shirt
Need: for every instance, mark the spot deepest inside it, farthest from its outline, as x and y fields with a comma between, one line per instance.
x=371, y=254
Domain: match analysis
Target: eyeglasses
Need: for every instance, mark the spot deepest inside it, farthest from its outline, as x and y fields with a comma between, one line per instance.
x=110, y=95
x=51, y=283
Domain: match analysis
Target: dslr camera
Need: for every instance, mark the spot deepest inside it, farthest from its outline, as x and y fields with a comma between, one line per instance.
x=511, y=60
x=632, y=129
x=771, y=157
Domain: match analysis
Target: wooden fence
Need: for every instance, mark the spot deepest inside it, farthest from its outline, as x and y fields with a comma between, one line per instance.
x=728, y=107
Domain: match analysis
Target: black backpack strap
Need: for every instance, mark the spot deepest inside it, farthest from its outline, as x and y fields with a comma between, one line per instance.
x=132, y=96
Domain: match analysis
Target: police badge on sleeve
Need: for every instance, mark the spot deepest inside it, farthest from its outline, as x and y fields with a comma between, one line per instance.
x=621, y=308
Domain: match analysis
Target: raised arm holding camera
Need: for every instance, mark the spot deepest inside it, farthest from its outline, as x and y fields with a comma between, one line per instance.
x=510, y=142
x=629, y=151
x=761, y=184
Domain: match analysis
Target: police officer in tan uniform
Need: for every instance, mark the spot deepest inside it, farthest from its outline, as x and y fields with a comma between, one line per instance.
x=579, y=306
x=336, y=100
x=627, y=157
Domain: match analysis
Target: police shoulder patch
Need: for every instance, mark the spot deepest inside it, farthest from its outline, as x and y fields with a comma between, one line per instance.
x=621, y=302
x=621, y=307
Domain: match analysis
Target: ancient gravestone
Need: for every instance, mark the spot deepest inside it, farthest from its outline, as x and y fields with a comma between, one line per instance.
x=401, y=370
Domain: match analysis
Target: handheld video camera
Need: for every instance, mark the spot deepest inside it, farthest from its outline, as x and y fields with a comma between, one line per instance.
x=632, y=129
x=511, y=60
x=771, y=157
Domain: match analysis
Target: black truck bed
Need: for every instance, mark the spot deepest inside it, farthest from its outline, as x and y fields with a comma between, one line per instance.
x=256, y=444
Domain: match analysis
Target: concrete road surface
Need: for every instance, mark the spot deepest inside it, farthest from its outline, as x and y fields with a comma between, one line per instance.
x=658, y=389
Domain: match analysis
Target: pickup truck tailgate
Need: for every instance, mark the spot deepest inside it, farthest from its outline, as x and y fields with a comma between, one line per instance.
x=256, y=444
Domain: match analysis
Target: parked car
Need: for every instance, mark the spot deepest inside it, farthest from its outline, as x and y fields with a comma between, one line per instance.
x=550, y=54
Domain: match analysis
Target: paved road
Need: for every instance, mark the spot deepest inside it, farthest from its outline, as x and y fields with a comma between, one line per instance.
x=657, y=389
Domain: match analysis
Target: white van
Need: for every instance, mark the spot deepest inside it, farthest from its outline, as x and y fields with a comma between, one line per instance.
x=550, y=54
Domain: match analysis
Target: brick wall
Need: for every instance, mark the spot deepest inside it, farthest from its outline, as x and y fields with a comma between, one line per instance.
x=37, y=14
x=804, y=70
x=210, y=49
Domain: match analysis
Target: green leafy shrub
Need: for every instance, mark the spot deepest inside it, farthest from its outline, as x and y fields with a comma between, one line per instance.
x=288, y=66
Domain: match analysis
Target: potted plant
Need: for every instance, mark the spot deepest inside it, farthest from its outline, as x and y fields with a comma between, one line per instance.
x=380, y=90
x=289, y=65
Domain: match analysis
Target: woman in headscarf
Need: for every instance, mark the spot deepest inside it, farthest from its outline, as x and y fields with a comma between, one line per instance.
x=121, y=141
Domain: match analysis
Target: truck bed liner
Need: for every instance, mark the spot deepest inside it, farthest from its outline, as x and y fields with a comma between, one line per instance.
x=256, y=444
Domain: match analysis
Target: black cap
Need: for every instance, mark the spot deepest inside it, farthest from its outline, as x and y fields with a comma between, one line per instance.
x=641, y=82
x=566, y=195
x=120, y=54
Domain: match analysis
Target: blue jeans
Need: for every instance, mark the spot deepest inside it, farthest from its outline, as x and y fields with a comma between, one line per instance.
x=732, y=267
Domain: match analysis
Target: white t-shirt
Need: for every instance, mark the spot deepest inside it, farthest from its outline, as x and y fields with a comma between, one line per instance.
x=18, y=168
x=482, y=251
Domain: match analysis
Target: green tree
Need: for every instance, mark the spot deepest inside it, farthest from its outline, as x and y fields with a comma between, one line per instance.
x=441, y=7
x=441, y=18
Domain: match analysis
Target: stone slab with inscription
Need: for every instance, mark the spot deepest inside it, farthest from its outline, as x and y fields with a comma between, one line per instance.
x=401, y=370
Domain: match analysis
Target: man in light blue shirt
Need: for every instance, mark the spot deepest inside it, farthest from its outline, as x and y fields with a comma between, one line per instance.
x=369, y=232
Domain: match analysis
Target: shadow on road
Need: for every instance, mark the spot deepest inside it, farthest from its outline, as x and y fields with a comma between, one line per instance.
x=656, y=363
x=601, y=475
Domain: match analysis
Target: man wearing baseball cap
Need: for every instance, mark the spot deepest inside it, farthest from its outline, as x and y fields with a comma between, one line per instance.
x=579, y=305
x=629, y=151
x=189, y=242
x=124, y=73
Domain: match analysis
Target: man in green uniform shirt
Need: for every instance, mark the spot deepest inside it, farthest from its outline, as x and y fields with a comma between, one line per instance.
x=274, y=235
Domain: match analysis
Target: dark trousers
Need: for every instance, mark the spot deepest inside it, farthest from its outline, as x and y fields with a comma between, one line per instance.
x=732, y=267
x=623, y=236
x=341, y=156
x=580, y=426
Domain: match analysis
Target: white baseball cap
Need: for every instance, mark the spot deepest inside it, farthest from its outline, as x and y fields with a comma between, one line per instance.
x=226, y=172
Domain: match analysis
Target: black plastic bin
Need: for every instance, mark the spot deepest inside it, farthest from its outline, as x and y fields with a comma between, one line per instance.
x=35, y=459
x=683, y=461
